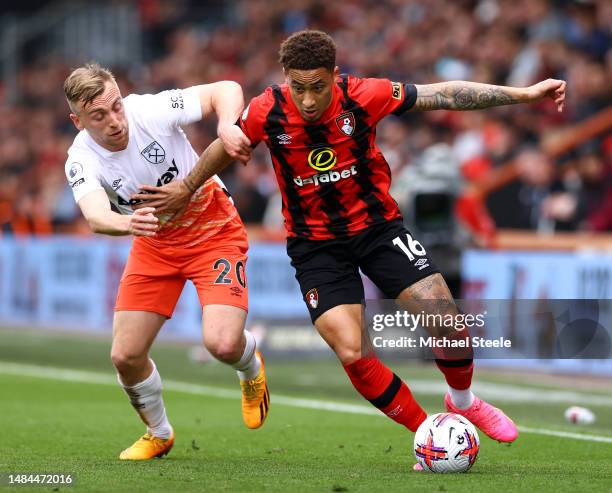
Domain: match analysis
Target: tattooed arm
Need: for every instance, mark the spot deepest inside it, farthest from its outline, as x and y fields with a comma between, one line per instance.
x=213, y=160
x=462, y=95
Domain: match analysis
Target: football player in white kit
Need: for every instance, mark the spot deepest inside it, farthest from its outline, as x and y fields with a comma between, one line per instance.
x=125, y=145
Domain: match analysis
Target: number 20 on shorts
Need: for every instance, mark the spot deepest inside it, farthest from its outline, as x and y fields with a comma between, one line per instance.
x=224, y=267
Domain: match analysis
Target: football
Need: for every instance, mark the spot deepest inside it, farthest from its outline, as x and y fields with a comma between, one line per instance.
x=579, y=415
x=445, y=443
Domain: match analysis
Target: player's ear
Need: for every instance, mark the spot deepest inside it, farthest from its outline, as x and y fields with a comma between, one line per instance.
x=286, y=75
x=77, y=121
x=336, y=72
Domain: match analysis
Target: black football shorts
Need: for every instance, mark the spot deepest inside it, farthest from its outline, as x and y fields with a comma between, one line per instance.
x=328, y=270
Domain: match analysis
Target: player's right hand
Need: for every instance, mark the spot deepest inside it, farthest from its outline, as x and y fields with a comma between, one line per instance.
x=143, y=222
x=170, y=198
x=549, y=88
x=235, y=142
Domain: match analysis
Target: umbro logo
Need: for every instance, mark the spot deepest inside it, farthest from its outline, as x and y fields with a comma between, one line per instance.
x=421, y=263
x=116, y=185
x=284, y=139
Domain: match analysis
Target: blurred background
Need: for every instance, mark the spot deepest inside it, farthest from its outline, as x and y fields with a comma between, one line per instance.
x=512, y=203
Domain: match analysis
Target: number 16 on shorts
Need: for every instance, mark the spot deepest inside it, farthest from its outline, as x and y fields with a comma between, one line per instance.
x=412, y=249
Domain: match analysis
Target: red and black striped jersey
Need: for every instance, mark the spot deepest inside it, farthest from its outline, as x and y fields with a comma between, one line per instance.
x=333, y=179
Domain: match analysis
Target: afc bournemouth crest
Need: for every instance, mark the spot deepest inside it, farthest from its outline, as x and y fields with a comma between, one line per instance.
x=154, y=153
x=312, y=298
x=346, y=123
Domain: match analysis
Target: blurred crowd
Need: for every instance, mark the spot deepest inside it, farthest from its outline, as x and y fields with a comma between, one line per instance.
x=507, y=42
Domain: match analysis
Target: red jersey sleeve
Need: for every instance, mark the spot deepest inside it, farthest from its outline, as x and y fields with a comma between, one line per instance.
x=253, y=118
x=381, y=97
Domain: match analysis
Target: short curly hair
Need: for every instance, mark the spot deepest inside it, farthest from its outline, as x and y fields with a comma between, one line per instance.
x=308, y=50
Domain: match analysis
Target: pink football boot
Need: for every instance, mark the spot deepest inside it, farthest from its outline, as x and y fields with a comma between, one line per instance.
x=490, y=420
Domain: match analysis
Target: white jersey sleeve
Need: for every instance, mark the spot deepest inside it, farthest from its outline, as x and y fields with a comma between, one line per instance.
x=167, y=110
x=82, y=176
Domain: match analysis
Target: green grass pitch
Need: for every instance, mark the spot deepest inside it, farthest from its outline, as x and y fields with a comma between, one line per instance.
x=63, y=426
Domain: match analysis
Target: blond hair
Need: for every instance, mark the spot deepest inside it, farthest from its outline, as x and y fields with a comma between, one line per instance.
x=85, y=84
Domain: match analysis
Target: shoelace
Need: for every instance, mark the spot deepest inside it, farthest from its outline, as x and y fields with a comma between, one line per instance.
x=491, y=415
x=150, y=438
x=251, y=389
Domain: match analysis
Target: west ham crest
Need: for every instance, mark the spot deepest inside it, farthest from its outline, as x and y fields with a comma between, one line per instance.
x=154, y=153
x=346, y=123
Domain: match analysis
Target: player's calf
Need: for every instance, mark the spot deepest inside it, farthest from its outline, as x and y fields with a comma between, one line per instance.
x=146, y=399
x=132, y=369
x=386, y=391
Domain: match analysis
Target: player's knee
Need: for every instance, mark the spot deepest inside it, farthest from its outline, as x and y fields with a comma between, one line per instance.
x=348, y=354
x=127, y=361
x=224, y=349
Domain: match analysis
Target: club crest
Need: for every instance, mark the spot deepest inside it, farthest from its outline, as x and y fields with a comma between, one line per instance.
x=154, y=153
x=346, y=123
x=312, y=298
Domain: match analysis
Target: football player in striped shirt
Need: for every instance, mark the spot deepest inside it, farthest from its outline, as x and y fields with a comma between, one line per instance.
x=319, y=127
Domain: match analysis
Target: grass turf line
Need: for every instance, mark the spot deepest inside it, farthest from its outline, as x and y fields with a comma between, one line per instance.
x=80, y=429
x=52, y=426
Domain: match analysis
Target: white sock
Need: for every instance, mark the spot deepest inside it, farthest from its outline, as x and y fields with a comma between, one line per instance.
x=248, y=366
x=146, y=398
x=461, y=398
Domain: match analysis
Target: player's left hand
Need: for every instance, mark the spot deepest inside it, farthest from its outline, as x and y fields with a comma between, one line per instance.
x=170, y=198
x=549, y=88
x=236, y=144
